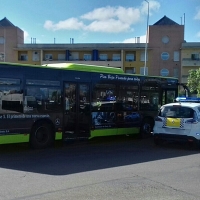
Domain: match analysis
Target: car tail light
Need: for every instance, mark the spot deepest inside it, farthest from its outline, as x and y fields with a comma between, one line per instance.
x=158, y=119
x=191, y=121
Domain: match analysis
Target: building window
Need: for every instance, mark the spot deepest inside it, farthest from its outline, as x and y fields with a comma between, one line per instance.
x=165, y=56
x=103, y=57
x=176, y=74
x=74, y=56
x=130, y=57
x=144, y=70
x=24, y=57
x=176, y=55
x=48, y=57
x=195, y=56
x=87, y=57
x=164, y=72
x=130, y=70
x=2, y=56
x=116, y=57
x=142, y=56
x=61, y=56
x=2, y=40
x=165, y=39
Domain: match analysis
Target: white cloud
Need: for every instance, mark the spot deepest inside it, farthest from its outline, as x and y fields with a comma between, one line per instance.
x=140, y=39
x=198, y=34
x=153, y=7
x=108, y=26
x=27, y=38
x=69, y=24
x=127, y=15
x=106, y=19
x=26, y=35
x=197, y=16
x=100, y=14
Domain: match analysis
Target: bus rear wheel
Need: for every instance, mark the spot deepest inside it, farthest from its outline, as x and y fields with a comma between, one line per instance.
x=42, y=136
x=147, y=127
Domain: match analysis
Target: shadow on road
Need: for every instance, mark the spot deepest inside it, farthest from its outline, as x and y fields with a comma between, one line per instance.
x=82, y=156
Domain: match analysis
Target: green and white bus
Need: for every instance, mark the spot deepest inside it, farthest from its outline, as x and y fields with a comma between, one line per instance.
x=41, y=104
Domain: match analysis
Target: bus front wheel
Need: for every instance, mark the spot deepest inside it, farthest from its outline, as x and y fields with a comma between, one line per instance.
x=42, y=136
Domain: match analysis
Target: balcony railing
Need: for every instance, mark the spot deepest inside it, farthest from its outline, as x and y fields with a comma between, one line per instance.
x=187, y=62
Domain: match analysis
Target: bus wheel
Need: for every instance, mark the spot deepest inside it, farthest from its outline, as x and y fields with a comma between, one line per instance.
x=147, y=127
x=42, y=136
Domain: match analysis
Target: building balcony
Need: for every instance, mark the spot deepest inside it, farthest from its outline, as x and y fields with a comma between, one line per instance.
x=187, y=62
x=184, y=78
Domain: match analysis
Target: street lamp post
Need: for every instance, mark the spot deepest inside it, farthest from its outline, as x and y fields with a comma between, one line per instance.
x=147, y=35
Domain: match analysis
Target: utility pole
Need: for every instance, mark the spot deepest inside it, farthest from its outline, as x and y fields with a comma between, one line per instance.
x=147, y=35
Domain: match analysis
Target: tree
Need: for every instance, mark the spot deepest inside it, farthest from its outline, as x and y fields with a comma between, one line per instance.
x=194, y=81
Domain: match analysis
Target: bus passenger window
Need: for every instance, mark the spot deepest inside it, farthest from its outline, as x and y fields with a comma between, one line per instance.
x=149, y=101
x=46, y=99
x=128, y=99
x=11, y=98
x=104, y=97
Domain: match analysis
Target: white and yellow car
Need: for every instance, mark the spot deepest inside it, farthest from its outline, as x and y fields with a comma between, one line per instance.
x=179, y=121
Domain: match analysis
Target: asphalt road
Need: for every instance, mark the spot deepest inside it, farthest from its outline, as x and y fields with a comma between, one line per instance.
x=115, y=169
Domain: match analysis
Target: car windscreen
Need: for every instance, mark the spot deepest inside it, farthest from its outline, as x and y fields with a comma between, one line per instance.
x=176, y=112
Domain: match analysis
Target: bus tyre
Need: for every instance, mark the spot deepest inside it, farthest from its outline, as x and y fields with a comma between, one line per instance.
x=42, y=136
x=147, y=127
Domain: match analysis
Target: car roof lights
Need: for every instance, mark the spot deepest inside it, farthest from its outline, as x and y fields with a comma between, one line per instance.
x=188, y=99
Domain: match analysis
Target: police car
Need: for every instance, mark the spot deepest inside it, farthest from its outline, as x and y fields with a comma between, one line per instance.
x=179, y=121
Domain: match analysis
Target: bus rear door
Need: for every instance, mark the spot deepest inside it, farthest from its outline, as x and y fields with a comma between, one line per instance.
x=77, y=110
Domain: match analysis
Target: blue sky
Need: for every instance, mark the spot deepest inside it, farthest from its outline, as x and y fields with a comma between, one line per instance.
x=97, y=21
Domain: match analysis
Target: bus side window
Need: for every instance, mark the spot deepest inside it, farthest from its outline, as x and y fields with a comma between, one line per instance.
x=11, y=98
x=46, y=99
x=128, y=98
x=149, y=100
x=104, y=97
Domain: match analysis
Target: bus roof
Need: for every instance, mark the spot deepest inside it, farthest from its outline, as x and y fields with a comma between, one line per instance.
x=71, y=66
x=83, y=67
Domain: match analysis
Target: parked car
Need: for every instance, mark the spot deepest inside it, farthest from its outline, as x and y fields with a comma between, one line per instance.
x=179, y=121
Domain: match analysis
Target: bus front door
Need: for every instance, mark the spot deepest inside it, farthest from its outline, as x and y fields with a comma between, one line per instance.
x=168, y=96
x=77, y=110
